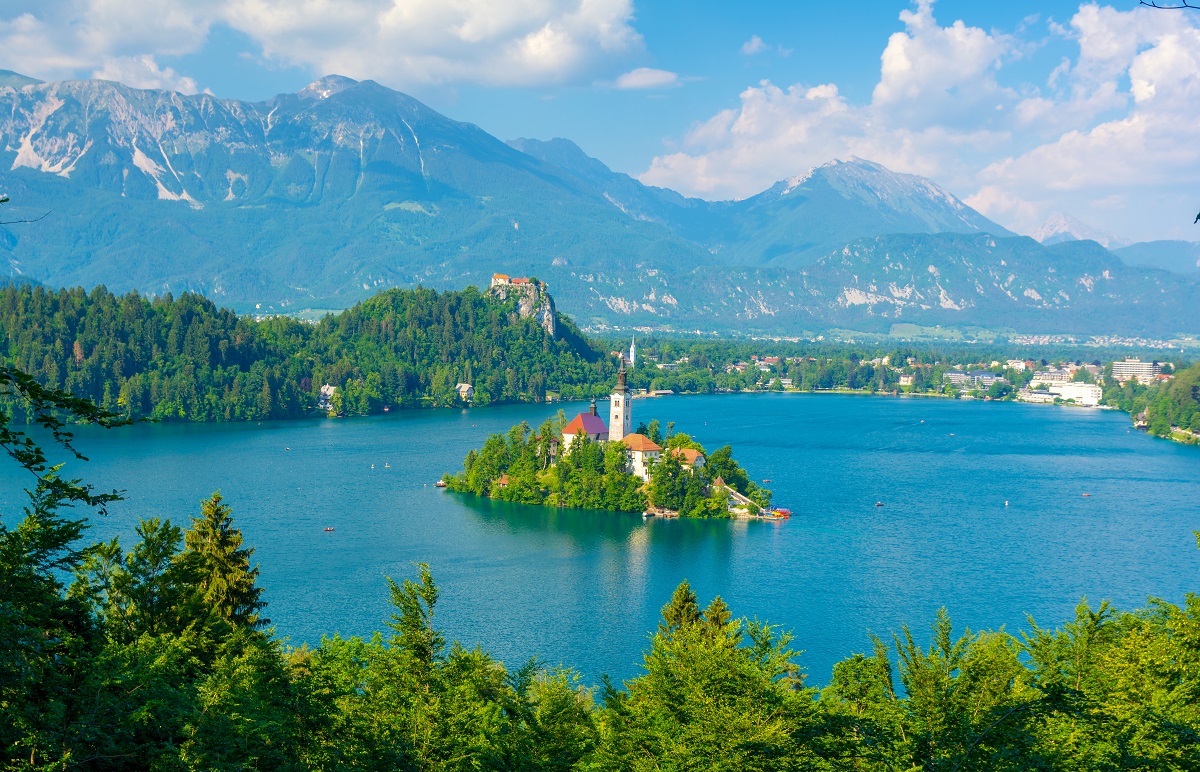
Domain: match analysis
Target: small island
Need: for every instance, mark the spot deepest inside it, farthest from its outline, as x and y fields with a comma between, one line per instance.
x=588, y=464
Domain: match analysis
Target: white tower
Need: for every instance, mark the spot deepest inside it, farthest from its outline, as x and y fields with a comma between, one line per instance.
x=620, y=411
x=632, y=353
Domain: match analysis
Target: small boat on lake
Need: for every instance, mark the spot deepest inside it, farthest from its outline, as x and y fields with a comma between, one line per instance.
x=327, y=530
x=879, y=503
x=440, y=484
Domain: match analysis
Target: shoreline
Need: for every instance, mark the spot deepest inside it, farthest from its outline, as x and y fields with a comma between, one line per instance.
x=1177, y=436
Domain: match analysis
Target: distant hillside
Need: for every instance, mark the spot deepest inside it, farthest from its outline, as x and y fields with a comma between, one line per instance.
x=186, y=359
x=948, y=279
x=319, y=199
x=1178, y=256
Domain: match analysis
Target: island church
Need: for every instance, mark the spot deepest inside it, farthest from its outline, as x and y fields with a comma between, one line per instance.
x=642, y=450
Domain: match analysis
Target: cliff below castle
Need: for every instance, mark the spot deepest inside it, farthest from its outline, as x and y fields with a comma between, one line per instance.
x=532, y=300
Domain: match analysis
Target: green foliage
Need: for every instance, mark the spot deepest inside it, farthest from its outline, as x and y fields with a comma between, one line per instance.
x=220, y=567
x=714, y=694
x=1177, y=405
x=152, y=658
x=184, y=359
x=520, y=467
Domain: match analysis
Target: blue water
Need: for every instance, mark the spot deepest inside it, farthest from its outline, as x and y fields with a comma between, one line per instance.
x=584, y=588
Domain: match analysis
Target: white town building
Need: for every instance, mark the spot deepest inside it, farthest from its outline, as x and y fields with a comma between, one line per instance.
x=1132, y=368
x=1086, y=394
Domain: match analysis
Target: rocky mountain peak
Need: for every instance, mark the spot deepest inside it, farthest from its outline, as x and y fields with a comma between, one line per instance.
x=1062, y=227
x=326, y=87
x=10, y=79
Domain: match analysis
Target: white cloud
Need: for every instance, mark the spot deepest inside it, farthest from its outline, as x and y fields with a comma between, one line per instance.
x=754, y=45
x=645, y=78
x=63, y=38
x=409, y=42
x=144, y=72
x=1109, y=135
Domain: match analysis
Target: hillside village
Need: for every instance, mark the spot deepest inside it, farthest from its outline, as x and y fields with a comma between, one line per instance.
x=1064, y=383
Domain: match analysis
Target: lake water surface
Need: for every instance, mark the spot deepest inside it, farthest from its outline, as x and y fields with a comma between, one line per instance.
x=584, y=588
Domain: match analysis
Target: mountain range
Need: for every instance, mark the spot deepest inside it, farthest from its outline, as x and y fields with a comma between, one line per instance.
x=316, y=199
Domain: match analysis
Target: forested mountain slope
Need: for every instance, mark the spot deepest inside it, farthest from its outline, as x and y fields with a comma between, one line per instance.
x=185, y=358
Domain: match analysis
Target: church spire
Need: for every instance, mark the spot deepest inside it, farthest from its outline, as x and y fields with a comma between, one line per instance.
x=620, y=409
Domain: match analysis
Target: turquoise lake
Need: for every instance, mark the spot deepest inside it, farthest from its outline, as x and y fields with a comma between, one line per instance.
x=585, y=588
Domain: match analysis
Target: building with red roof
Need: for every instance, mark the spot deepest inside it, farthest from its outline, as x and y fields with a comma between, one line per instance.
x=689, y=457
x=643, y=452
x=588, y=423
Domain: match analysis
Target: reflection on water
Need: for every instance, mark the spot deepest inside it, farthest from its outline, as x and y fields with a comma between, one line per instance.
x=585, y=587
x=585, y=527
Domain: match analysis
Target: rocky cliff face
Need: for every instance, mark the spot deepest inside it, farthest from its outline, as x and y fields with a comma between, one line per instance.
x=532, y=301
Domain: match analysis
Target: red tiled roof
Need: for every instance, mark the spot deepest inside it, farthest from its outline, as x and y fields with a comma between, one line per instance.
x=687, y=455
x=640, y=442
x=590, y=424
x=520, y=281
x=503, y=479
x=499, y=276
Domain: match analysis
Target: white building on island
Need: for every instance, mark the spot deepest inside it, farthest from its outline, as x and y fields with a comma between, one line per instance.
x=643, y=452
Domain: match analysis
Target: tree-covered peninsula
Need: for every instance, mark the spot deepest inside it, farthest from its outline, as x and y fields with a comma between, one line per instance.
x=186, y=359
x=157, y=655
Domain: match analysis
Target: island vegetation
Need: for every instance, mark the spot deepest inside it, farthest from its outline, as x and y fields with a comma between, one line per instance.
x=158, y=655
x=524, y=467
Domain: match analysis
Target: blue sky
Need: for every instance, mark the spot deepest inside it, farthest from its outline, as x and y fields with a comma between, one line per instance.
x=1021, y=108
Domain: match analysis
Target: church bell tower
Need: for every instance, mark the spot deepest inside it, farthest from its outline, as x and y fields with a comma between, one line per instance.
x=620, y=415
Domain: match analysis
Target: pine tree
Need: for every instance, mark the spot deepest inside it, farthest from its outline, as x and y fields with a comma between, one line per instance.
x=717, y=616
x=413, y=624
x=221, y=566
x=683, y=610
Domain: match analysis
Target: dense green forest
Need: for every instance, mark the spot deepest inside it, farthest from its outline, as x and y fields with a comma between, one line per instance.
x=185, y=359
x=522, y=466
x=159, y=656
x=1164, y=409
